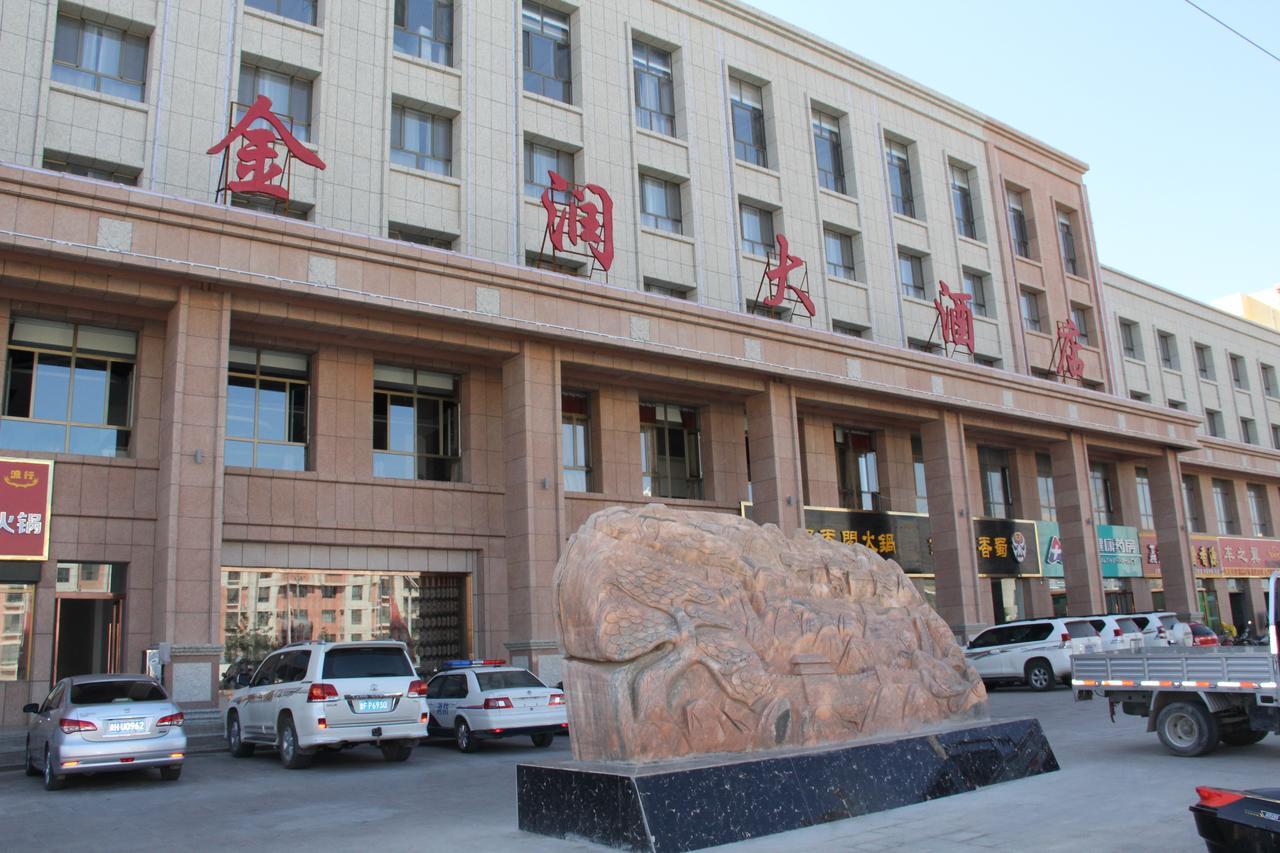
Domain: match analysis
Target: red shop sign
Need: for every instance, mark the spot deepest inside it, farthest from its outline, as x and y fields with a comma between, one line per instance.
x=26, y=492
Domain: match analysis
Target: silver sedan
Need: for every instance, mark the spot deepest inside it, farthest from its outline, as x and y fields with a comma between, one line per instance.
x=101, y=723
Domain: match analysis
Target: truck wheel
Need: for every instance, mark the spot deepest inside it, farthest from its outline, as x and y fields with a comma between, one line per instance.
x=1188, y=729
x=1241, y=735
x=1039, y=675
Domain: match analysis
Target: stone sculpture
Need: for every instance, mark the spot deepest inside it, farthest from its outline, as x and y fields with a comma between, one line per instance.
x=697, y=632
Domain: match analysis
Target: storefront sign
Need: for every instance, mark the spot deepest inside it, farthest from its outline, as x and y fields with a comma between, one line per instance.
x=778, y=278
x=253, y=140
x=1050, y=538
x=1242, y=557
x=579, y=219
x=1067, y=348
x=1204, y=557
x=955, y=318
x=901, y=537
x=1119, y=551
x=1006, y=547
x=26, y=493
x=1150, y=553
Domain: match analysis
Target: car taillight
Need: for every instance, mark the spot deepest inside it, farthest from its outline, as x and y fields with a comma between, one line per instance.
x=321, y=692
x=1216, y=798
x=1066, y=639
x=70, y=726
x=417, y=688
x=556, y=699
x=497, y=704
x=1119, y=633
x=171, y=720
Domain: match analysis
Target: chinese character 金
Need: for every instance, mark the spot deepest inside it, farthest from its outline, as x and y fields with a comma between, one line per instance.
x=580, y=220
x=1069, y=361
x=777, y=276
x=984, y=546
x=257, y=172
x=955, y=316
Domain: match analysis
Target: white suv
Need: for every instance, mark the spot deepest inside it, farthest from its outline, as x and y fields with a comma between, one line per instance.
x=471, y=700
x=1035, y=652
x=314, y=695
x=1162, y=628
x=1119, y=633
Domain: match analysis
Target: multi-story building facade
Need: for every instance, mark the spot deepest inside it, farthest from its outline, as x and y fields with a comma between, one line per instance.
x=381, y=409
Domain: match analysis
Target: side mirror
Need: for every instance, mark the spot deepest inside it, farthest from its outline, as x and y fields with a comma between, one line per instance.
x=31, y=708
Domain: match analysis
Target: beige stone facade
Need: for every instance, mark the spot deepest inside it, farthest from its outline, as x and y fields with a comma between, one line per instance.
x=539, y=397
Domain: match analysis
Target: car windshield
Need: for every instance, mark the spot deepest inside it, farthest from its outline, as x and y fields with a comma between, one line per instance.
x=112, y=692
x=1080, y=630
x=506, y=679
x=368, y=662
x=1200, y=631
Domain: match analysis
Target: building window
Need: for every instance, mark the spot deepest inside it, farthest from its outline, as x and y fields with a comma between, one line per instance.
x=1068, y=241
x=826, y=142
x=267, y=409
x=1044, y=487
x=1248, y=431
x=1018, y=231
x=852, y=330
x=667, y=288
x=421, y=141
x=575, y=441
x=962, y=202
x=267, y=204
x=547, y=64
x=1146, y=511
x=1100, y=490
x=99, y=58
x=1239, y=373
x=911, y=275
x=1213, y=423
x=757, y=230
x=1259, y=509
x=987, y=361
x=899, y=161
x=71, y=165
x=839, y=255
x=1140, y=396
x=917, y=345
x=1168, y=345
x=857, y=474
x=1080, y=316
x=1275, y=436
x=1130, y=339
x=538, y=161
x=68, y=388
x=17, y=603
x=975, y=284
x=993, y=465
x=1204, y=363
x=660, y=205
x=294, y=10
x=670, y=451
x=1030, y=301
x=424, y=28
x=1224, y=503
x=746, y=104
x=415, y=424
x=290, y=98
x=1191, y=503
x=421, y=236
x=655, y=89
x=922, y=482
x=1177, y=405
x=1269, y=387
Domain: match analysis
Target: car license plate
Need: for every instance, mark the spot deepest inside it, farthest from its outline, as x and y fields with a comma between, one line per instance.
x=372, y=706
x=127, y=727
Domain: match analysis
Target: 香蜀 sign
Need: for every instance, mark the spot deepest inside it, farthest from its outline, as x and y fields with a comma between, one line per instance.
x=26, y=492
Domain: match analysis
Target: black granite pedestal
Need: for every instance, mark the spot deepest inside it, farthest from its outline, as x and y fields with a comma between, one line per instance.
x=696, y=803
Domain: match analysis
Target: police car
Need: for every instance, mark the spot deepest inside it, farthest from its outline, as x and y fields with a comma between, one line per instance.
x=470, y=700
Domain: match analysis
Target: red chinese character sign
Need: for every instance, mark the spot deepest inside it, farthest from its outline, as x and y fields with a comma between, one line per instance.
x=579, y=215
x=955, y=319
x=26, y=492
x=777, y=278
x=255, y=141
x=1066, y=351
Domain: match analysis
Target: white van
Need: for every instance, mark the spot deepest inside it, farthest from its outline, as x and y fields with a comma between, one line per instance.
x=1034, y=652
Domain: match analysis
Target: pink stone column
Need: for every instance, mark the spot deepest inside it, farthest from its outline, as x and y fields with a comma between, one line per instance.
x=188, y=569
x=776, y=491
x=897, y=470
x=534, y=501
x=1036, y=597
x=1075, y=521
x=1171, y=535
x=962, y=598
x=724, y=453
x=822, y=484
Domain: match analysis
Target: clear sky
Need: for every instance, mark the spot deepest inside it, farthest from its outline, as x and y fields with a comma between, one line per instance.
x=1178, y=119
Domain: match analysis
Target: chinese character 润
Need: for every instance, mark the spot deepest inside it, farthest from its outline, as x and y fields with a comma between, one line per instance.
x=828, y=534
x=887, y=545
x=579, y=220
x=984, y=546
x=1069, y=361
x=778, y=277
x=257, y=171
x=955, y=316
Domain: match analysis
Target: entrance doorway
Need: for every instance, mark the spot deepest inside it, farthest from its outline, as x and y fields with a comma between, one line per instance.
x=88, y=619
x=1239, y=610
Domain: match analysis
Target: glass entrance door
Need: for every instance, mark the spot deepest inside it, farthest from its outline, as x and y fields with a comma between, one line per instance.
x=88, y=619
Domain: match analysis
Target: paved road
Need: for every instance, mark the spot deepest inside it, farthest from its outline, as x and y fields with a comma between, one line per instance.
x=1118, y=790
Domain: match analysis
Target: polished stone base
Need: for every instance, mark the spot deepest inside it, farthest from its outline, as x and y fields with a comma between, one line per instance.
x=695, y=803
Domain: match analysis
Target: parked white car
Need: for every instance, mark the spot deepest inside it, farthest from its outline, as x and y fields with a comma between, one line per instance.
x=474, y=700
x=1163, y=628
x=1035, y=652
x=315, y=695
x=1119, y=633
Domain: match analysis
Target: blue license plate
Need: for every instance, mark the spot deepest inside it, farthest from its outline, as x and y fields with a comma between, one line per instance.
x=372, y=706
